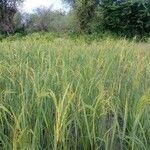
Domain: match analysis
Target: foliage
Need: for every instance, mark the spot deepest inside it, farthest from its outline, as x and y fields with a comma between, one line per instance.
x=44, y=19
x=8, y=8
x=124, y=17
x=127, y=18
x=85, y=12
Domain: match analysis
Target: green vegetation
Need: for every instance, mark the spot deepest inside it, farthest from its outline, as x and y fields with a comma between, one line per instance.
x=130, y=18
x=78, y=87
x=127, y=18
x=65, y=93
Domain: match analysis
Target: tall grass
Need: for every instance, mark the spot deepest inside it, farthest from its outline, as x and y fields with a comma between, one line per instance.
x=59, y=93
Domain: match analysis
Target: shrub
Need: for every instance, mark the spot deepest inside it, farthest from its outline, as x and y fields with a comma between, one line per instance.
x=127, y=18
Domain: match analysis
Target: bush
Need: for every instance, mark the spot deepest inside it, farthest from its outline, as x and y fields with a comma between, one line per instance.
x=44, y=19
x=127, y=18
x=120, y=16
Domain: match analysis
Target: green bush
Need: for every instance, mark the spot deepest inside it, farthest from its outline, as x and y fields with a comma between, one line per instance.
x=127, y=18
x=124, y=17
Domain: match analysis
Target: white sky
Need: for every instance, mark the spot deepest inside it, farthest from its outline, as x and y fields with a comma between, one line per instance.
x=29, y=5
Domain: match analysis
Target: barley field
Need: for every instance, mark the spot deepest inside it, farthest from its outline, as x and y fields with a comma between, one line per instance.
x=60, y=93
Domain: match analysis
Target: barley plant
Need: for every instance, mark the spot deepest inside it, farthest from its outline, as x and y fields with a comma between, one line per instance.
x=62, y=93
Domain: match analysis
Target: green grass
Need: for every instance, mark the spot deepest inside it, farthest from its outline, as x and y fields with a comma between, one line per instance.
x=62, y=93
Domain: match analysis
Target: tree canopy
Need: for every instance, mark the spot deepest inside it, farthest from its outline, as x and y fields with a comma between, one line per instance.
x=124, y=16
x=8, y=8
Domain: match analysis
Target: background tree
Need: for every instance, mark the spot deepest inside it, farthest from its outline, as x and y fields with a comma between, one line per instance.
x=128, y=17
x=8, y=9
x=45, y=19
x=84, y=11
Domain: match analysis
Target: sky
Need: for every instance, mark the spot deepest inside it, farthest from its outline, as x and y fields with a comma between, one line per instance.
x=30, y=5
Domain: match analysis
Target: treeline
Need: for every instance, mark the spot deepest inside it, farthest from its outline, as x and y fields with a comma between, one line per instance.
x=123, y=17
x=42, y=19
x=14, y=20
